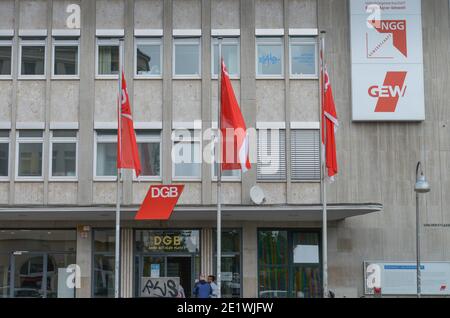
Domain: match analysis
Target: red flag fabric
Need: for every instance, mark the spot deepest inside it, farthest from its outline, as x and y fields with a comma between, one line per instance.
x=127, y=150
x=330, y=124
x=235, y=141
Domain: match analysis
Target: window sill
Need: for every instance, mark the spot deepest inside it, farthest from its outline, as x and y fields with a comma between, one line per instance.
x=106, y=77
x=31, y=77
x=186, y=77
x=25, y=179
x=65, y=77
x=232, y=77
x=228, y=180
x=65, y=180
x=147, y=179
x=190, y=180
x=304, y=77
x=6, y=77
x=143, y=77
x=4, y=179
x=105, y=179
x=262, y=77
x=271, y=181
x=306, y=181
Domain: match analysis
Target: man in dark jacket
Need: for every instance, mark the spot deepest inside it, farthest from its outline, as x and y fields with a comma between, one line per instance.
x=202, y=289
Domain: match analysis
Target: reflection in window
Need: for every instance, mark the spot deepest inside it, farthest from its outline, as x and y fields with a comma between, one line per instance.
x=33, y=60
x=106, y=165
x=230, y=55
x=303, y=57
x=149, y=144
x=66, y=59
x=148, y=57
x=187, y=155
x=30, y=145
x=187, y=57
x=5, y=59
x=4, y=153
x=64, y=153
x=103, y=262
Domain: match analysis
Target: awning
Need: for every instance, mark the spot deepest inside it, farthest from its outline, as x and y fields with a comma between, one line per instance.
x=309, y=213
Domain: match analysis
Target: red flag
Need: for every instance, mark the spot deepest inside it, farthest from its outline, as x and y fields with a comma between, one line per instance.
x=235, y=144
x=127, y=150
x=329, y=125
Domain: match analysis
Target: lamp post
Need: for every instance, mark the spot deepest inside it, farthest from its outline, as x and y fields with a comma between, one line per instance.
x=421, y=187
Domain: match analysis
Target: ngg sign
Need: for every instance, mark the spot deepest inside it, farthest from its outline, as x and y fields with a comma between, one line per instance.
x=159, y=202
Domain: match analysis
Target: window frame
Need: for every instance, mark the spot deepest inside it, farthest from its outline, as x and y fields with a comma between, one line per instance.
x=303, y=40
x=194, y=138
x=234, y=40
x=150, y=139
x=61, y=140
x=187, y=41
x=103, y=139
x=214, y=178
x=29, y=140
x=58, y=42
x=29, y=42
x=104, y=41
x=261, y=179
x=295, y=180
x=7, y=42
x=148, y=41
x=7, y=140
x=269, y=40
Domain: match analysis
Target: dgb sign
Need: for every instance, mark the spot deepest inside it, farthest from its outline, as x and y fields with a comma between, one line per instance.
x=159, y=202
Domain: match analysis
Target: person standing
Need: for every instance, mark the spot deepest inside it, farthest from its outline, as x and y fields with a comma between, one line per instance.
x=214, y=287
x=202, y=289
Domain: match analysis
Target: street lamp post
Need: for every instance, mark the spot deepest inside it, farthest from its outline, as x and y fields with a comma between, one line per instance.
x=421, y=186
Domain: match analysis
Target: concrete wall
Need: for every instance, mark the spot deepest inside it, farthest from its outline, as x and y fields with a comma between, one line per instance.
x=378, y=160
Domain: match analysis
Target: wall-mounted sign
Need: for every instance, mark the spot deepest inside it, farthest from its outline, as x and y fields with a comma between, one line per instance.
x=159, y=202
x=401, y=278
x=387, y=60
x=167, y=241
x=166, y=287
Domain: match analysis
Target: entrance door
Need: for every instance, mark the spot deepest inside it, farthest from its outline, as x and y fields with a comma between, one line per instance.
x=28, y=275
x=180, y=266
x=169, y=266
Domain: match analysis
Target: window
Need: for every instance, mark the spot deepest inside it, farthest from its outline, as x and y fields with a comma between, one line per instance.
x=227, y=175
x=271, y=155
x=29, y=154
x=186, y=54
x=148, y=59
x=4, y=154
x=103, y=267
x=5, y=58
x=149, y=146
x=303, y=57
x=63, y=150
x=230, y=54
x=289, y=264
x=107, y=58
x=305, y=155
x=106, y=155
x=32, y=58
x=65, y=58
x=231, y=262
x=186, y=155
x=269, y=57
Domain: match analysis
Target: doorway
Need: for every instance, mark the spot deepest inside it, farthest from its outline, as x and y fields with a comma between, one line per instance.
x=181, y=266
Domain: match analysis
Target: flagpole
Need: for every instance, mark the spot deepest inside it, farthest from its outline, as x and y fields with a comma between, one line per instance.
x=119, y=173
x=324, y=173
x=219, y=176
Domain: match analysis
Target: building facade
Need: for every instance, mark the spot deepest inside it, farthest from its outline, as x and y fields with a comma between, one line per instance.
x=59, y=62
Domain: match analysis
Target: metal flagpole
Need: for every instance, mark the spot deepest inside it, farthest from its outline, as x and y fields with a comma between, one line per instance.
x=324, y=173
x=219, y=177
x=119, y=173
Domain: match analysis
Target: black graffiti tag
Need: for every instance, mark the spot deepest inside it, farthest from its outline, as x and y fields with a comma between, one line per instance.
x=156, y=288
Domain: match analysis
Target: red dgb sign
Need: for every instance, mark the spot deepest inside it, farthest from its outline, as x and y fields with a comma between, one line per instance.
x=159, y=202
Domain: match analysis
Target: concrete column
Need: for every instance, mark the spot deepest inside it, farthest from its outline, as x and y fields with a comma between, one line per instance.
x=287, y=108
x=48, y=88
x=206, y=94
x=87, y=103
x=126, y=263
x=84, y=260
x=129, y=75
x=15, y=59
x=206, y=253
x=248, y=83
x=249, y=261
x=167, y=93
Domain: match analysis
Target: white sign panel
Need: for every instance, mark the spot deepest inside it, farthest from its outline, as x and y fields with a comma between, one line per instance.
x=400, y=278
x=306, y=254
x=387, y=60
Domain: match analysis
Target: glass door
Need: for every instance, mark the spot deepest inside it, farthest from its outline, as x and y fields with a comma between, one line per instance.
x=5, y=265
x=28, y=275
x=180, y=266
